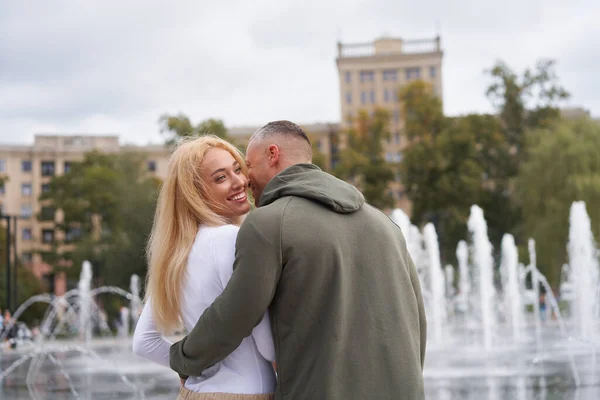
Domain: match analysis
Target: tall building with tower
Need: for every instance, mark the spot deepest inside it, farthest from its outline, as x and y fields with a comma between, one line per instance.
x=371, y=75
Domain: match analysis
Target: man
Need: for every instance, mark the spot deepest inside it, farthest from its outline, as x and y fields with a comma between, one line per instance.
x=343, y=294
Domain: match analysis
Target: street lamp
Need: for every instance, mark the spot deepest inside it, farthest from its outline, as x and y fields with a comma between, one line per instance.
x=11, y=262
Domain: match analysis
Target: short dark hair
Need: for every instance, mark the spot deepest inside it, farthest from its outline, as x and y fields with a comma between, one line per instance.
x=281, y=127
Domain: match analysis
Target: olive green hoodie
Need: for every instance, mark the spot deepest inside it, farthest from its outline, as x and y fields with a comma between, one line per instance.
x=343, y=294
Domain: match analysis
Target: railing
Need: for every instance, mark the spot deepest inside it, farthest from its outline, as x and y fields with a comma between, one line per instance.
x=406, y=47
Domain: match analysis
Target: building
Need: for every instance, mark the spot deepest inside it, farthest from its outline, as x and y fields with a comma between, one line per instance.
x=28, y=171
x=370, y=76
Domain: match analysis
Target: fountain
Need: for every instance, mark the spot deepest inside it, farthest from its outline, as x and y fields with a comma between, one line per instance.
x=437, y=289
x=583, y=262
x=483, y=263
x=512, y=292
x=81, y=356
x=136, y=302
x=85, y=281
x=497, y=342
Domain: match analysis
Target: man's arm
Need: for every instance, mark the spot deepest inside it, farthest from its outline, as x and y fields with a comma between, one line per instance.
x=241, y=306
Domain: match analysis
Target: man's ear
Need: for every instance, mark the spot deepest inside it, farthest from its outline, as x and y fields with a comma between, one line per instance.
x=273, y=153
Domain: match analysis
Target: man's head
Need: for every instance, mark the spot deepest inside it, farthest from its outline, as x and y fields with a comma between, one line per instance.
x=273, y=148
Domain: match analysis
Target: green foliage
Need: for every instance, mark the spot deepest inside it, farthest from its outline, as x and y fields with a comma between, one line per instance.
x=563, y=166
x=108, y=202
x=451, y=164
x=28, y=285
x=422, y=111
x=526, y=102
x=362, y=161
x=319, y=159
x=180, y=126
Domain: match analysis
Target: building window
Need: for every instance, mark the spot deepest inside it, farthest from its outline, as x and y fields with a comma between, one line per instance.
x=1, y=209
x=372, y=96
x=432, y=71
x=2, y=165
x=47, y=214
x=47, y=235
x=45, y=187
x=397, y=138
x=72, y=234
x=26, y=257
x=67, y=168
x=390, y=96
x=2, y=190
x=348, y=97
x=396, y=116
x=413, y=73
x=26, y=189
x=389, y=75
x=152, y=166
x=26, y=210
x=47, y=168
x=26, y=166
x=348, y=76
x=26, y=234
x=367, y=76
x=363, y=97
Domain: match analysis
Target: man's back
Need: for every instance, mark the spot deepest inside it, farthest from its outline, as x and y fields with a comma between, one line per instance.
x=346, y=315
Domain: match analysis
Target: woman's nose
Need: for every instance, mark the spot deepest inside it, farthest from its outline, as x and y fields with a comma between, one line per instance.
x=240, y=180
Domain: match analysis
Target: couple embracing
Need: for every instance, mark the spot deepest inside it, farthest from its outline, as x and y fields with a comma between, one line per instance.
x=312, y=295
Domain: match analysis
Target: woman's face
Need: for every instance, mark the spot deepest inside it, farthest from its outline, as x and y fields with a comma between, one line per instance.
x=226, y=183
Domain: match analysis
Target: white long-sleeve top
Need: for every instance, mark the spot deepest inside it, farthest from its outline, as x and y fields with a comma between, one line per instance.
x=209, y=267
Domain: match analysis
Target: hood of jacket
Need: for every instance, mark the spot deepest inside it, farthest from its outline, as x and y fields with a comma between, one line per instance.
x=308, y=181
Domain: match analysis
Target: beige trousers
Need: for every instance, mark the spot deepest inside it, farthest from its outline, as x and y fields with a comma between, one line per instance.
x=185, y=394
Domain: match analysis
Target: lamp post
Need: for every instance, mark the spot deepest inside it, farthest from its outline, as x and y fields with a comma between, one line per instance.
x=11, y=261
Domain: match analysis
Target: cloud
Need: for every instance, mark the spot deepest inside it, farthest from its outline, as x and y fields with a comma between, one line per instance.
x=117, y=66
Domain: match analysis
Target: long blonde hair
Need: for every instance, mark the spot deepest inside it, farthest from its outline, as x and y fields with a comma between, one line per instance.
x=184, y=204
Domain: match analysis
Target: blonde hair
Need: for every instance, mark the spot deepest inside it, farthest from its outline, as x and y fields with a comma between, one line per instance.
x=184, y=204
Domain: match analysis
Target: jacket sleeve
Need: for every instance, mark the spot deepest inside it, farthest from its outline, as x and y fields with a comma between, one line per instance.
x=243, y=303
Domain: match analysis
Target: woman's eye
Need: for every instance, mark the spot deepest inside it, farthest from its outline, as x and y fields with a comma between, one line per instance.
x=220, y=178
x=238, y=170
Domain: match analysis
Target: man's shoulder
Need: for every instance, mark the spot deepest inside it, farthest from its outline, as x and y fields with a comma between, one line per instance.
x=266, y=218
x=271, y=210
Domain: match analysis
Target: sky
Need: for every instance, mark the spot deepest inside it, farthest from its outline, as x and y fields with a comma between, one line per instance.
x=115, y=67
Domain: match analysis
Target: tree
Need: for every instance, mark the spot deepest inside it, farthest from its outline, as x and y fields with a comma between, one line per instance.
x=319, y=158
x=108, y=204
x=362, y=161
x=180, y=126
x=526, y=102
x=28, y=285
x=562, y=167
x=422, y=111
x=450, y=164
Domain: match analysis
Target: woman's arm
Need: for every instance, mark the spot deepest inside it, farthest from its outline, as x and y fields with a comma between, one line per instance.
x=147, y=341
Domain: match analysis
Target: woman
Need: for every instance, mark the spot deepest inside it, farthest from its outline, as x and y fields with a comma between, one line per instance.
x=190, y=257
